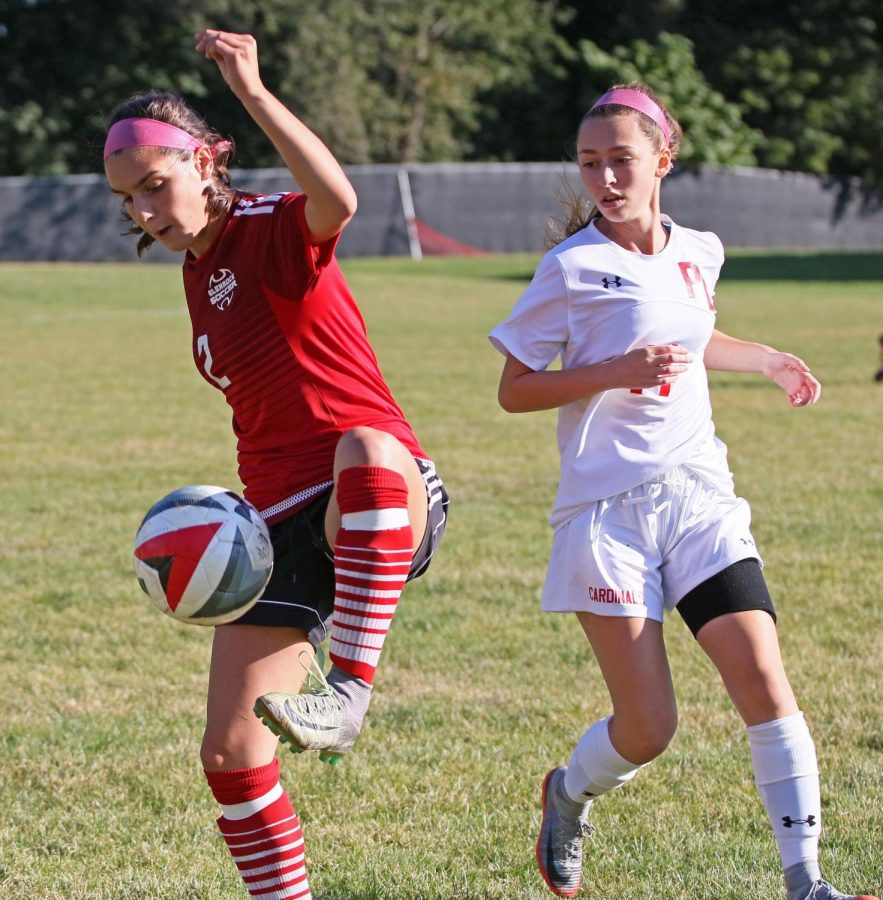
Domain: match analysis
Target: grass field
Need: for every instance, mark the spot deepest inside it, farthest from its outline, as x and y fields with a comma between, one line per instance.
x=478, y=693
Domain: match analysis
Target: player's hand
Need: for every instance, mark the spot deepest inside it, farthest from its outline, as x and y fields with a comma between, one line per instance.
x=793, y=376
x=652, y=366
x=237, y=59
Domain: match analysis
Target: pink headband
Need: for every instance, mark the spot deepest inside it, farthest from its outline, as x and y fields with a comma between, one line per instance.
x=147, y=133
x=639, y=101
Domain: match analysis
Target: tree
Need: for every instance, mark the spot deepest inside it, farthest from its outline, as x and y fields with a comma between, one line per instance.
x=397, y=81
x=380, y=80
x=63, y=73
x=69, y=62
x=394, y=80
x=806, y=74
x=714, y=132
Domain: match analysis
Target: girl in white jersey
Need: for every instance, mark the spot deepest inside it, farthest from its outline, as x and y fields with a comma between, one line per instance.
x=355, y=508
x=646, y=518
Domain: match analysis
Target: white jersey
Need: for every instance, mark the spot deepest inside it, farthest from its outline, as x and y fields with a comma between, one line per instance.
x=591, y=300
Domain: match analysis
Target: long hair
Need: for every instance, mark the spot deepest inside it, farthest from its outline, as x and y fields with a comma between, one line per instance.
x=172, y=110
x=578, y=211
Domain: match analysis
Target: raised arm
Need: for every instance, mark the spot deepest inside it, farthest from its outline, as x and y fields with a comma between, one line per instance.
x=792, y=374
x=331, y=200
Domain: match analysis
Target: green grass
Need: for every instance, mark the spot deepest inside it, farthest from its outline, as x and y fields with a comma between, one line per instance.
x=478, y=693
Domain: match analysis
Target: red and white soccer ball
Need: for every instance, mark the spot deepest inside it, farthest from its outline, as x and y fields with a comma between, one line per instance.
x=203, y=555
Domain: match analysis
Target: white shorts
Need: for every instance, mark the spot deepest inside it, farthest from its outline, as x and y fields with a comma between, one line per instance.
x=638, y=553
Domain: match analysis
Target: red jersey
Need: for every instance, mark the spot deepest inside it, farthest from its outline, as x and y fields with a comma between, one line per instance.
x=276, y=328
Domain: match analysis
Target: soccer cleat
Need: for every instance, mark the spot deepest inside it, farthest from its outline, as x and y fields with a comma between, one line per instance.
x=821, y=890
x=560, y=844
x=312, y=720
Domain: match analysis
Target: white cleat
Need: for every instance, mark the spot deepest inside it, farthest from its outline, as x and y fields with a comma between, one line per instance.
x=312, y=720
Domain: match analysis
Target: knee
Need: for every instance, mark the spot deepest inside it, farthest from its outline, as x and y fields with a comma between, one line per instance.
x=765, y=696
x=364, y=446
x=222, y=753
x=648, y=746
x=640, y=739
x=214, y=755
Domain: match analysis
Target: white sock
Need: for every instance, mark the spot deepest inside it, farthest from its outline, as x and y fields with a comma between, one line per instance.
x=595, y=766
x=787, y=776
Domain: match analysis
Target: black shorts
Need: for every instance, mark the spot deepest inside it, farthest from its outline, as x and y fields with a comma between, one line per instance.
x=300, y=593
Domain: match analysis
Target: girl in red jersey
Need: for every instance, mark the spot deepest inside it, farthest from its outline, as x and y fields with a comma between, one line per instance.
x=354, y=504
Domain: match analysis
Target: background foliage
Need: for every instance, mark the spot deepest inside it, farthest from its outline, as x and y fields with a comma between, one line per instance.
x=793, y=85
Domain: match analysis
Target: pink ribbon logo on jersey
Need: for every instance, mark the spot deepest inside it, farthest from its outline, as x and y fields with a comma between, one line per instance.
x=220, y=288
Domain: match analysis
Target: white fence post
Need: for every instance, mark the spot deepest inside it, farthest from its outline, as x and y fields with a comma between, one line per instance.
x=410, y=216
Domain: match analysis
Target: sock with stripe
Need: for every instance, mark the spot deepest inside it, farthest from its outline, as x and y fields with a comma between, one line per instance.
x=786, y=772
x=372, y=559
x=262, y=832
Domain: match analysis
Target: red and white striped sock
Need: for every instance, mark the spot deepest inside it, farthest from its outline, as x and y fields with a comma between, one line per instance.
x=372, y=558
x=262, y=832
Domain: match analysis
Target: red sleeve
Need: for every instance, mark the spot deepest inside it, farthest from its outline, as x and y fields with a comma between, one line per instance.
x=294, y=262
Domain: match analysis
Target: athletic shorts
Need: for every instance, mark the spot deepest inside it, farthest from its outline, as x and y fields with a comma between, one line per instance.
x=638, y=553
x=300, y=593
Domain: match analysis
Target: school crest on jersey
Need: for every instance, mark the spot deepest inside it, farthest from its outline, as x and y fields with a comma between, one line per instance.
x=221, y=286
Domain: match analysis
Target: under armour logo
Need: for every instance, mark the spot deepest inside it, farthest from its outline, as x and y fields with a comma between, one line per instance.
x=787, y=821
x=616, y=281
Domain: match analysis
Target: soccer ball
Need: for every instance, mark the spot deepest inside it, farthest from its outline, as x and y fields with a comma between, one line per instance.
x=203, y=555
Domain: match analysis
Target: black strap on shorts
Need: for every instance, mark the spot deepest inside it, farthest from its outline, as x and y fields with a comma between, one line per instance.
x=737, y=588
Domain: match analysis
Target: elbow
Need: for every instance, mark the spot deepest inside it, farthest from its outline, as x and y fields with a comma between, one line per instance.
x=342, y=213
x=332, y=216
x=509, y=400
x=349, y=203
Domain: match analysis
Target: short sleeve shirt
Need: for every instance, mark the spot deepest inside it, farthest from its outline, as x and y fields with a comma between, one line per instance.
x=591, y=300
x=276, y=328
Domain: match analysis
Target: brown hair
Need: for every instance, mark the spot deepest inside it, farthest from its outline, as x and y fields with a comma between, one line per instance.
x=172, y=110
x=578, y=211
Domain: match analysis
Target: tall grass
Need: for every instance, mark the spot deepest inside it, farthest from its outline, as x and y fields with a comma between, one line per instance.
x=478, y=693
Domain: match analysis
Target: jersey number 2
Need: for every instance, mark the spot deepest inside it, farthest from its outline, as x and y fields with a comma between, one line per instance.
x=222, y=381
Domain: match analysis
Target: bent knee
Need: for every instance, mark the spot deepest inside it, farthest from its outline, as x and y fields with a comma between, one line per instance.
x=215, y=755
x=761, y=698
x=642, y=739
x=647, y=747
x=364, y=445
x=223, y=753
